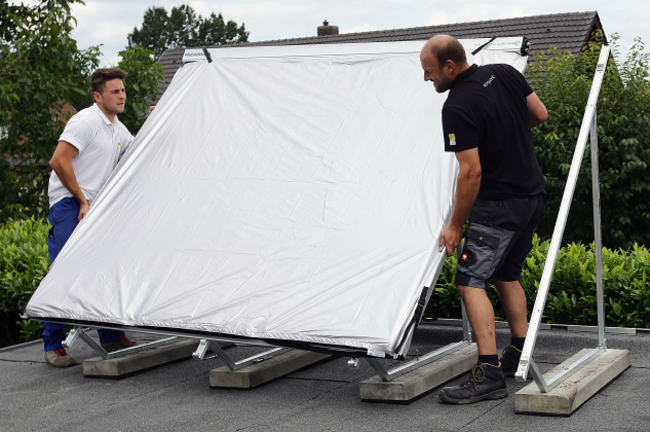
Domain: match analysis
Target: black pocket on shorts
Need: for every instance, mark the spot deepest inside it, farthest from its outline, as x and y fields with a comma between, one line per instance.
x=478, y=254
x=485, y=212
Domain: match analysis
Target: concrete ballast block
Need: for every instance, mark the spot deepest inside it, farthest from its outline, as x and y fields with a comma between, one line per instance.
x=577, y=388
x=130, y=363
x=422, y=379
x=264, y=371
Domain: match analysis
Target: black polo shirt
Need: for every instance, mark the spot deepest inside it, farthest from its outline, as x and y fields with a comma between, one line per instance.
x=486, y=108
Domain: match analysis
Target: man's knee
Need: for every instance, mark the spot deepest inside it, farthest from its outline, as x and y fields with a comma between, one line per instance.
x=471, y=294
x=505, y=287
x=464, y=289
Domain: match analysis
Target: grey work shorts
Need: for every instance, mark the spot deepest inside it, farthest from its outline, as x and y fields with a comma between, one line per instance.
x=498, y=240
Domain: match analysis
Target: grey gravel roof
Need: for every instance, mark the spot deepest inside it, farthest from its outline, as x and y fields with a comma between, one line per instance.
x=567, y=31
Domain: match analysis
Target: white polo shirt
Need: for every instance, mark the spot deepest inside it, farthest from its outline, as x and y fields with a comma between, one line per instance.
x=100, y=144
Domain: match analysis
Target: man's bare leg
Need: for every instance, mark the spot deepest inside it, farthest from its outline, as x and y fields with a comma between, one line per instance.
x=481, y=316
x=513, y=299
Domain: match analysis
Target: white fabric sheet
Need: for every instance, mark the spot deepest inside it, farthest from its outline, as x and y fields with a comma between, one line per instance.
x=291, y=198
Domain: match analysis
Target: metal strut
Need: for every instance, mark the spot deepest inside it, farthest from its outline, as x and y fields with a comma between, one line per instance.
x=588, y=129
x=390, y=374
x=80, y=332
x=208, y=345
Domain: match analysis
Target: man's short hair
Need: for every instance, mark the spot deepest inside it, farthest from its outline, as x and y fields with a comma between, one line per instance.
x=450, y=49
x=100, y=76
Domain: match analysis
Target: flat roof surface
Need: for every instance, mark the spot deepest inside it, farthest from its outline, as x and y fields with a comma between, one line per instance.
x=325, y=397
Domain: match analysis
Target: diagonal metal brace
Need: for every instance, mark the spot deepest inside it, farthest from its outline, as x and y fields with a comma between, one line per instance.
x=388, y=375
x=588, y=129
x=547, y=386
x=208, y=345
x=80, y=332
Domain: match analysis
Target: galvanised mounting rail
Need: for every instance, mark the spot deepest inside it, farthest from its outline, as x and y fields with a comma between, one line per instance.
x=588, y=129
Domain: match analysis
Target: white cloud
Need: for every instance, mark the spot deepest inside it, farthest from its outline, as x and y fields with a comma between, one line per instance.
x=438, y=18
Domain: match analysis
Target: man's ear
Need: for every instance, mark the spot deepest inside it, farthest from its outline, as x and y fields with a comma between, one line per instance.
x=97, y=97
x=450, y=67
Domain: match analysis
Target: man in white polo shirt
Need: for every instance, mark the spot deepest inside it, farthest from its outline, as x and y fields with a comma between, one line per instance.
x=89, y=148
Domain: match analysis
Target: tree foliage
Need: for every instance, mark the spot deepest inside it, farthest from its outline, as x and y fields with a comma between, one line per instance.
x=183, y=27
x=141, y=85
x=563, y=81
x=41, y=70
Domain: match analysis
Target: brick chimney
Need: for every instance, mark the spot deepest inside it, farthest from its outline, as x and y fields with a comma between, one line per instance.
x=326, y=29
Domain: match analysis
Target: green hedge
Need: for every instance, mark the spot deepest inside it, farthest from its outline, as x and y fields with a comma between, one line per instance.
x=572, y=296
x=23, y=262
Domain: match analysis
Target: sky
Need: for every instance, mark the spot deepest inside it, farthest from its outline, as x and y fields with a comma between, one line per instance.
x=108, y=22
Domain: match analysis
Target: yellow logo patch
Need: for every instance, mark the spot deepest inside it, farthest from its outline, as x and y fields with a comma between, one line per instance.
x=452, y=139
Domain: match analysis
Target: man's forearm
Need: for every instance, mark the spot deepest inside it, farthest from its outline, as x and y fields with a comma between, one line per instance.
x=468, y=184
x=467, y=187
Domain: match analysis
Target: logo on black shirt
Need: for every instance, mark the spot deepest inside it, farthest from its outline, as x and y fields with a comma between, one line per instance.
x=488, y=82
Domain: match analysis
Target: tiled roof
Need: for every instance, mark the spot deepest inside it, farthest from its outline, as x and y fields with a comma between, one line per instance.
x=567, y=31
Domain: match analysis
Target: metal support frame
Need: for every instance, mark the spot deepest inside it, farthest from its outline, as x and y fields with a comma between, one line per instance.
x=208, y=345
x=390, y=374
x=588, y=129
x=80, y=332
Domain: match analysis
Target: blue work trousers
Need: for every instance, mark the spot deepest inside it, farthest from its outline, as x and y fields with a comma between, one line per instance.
x=64, y=219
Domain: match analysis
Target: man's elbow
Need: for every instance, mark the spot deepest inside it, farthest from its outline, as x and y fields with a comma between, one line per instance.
x=56, y=164
x=474, y=174
x=536, y=109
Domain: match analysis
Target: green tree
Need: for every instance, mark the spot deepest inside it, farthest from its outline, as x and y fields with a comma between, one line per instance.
x=41, y=70
x=183, y=27
x=141, y=85
x=562, y=82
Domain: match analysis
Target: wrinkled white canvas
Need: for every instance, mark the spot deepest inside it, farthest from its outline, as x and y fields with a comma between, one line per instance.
x=273, y=195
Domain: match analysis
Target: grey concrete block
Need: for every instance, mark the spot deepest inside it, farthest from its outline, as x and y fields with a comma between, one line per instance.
x=421, y=380
x=265, y=371
x=130, y=363
x=576, y=389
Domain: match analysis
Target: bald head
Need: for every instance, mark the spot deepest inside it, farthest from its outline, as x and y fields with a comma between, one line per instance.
x=442, y=59
x=445, y=47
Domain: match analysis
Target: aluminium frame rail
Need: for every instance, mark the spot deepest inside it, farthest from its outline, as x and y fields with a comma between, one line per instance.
x=390, y=374
x=589, y=128
x=209, y=345
x=203, y=347
x=81, y=333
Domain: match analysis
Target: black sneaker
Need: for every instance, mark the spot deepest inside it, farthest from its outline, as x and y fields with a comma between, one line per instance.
x=510, y=360
x=485, y=382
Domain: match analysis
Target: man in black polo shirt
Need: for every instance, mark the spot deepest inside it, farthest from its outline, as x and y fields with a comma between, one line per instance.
x=486, y=120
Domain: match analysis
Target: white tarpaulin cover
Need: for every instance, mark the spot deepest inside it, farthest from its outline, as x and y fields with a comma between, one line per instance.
x=289, y=194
